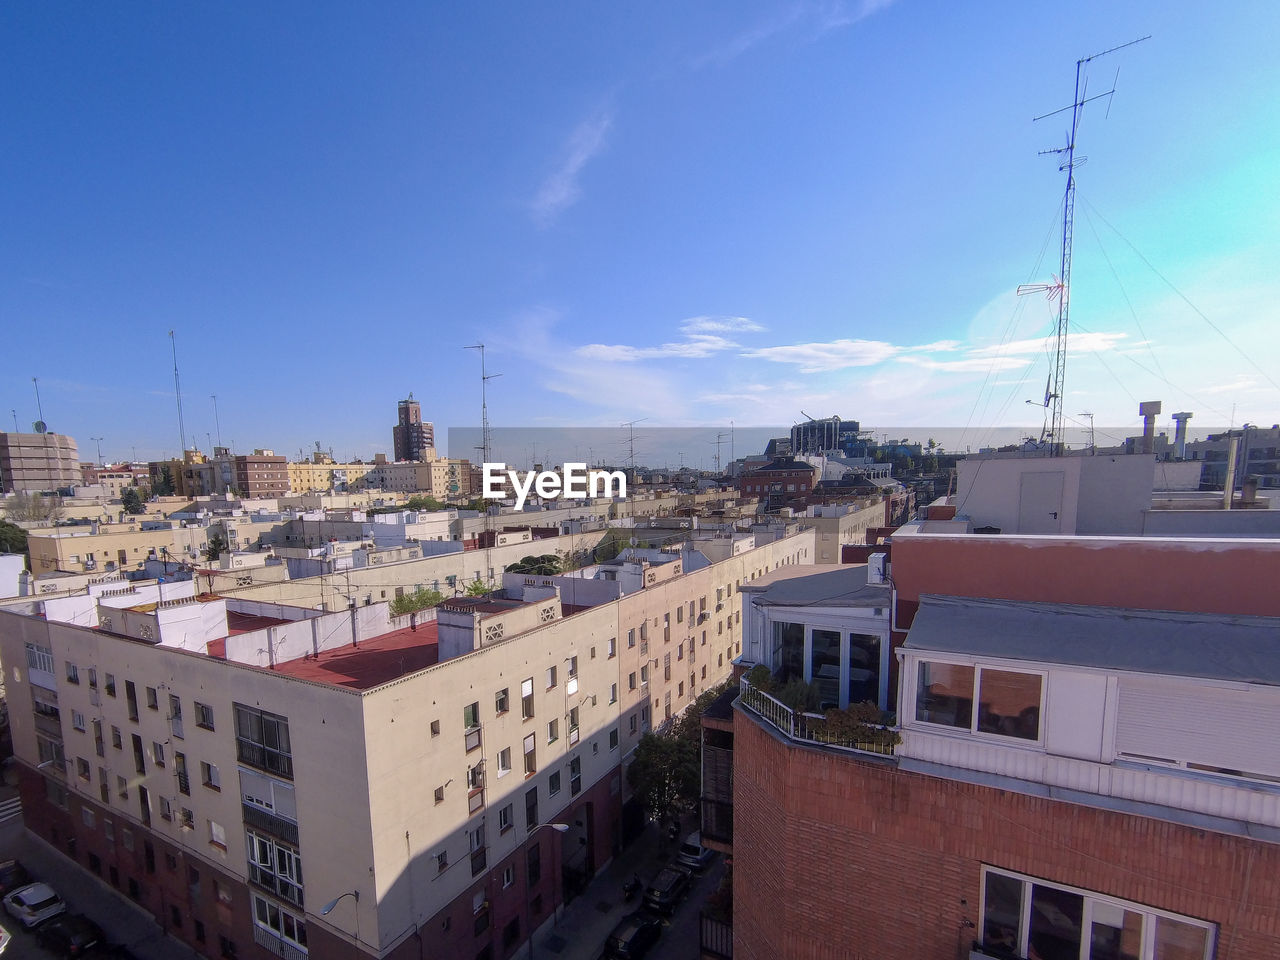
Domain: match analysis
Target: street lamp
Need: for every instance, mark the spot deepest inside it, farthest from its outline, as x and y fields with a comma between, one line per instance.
x=528, y=893
x=328, y=909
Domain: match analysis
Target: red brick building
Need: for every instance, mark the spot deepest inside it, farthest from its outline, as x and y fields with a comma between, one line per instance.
x=782, y=482
x=261, y=474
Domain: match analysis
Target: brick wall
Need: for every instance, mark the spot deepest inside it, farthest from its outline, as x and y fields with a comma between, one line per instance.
x=848, y=859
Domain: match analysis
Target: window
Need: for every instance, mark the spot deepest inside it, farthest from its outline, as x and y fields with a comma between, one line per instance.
x=40, y=658
x=506, y=818
x=680, y=693
x=1061, y=920
x=575, y=776
x=471, y=715
x=551, y=677
x=504, y=761
x=573, y=667
x=262, y=741
x=501, y=702
x=73, y=673
x=93, y=678
x=631, y=638
x=116, y=740
x=274, y=866
x=530, y=755
x=613, y=693
x=526, y=699
x=633, y=723
x=508, y=878
x=439, y=794
x=553, y=784
x=279, y=921
x=435, y=728
x=613, y=739
x=157, y=754
x=573, y=722
x=553, y=731
x=613, y=647
x=531, y=808
x=1008, y=701
x=209, y=776
x=204, y=716
x=139, y=758
x=87, y=817
x=153, y=699
x=533, y=864
x=180, y=769
x=77, y=720
x=644, y=673
x=631, y=680
x=666, y=668
x=175, y=716
x=122, y=788
x=188, y=818
x=131, y=695
x=217, y=834
x=442, y=861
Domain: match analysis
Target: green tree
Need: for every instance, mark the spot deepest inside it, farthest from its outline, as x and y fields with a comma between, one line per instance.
x=418, y=600
x=13, y=539
x=477, y=588
x=215, y=547
x=164, y=485
x=132, y=501
x=664, y=773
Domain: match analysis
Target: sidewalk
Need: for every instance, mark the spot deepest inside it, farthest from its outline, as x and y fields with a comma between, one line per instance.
x=583, y=925
x=123, y=921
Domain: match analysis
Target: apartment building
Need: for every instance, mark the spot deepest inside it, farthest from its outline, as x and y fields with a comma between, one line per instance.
x=37, y=462
x=323, y=476
x=1086, y=765
x=412, y=438
x=117, y=546
x=195, y=751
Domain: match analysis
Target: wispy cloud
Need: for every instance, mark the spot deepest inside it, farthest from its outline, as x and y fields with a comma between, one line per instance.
x=968, y=365
x=831, y=355
x=816, y=18
x=561, y=189
x=703, y=337
x=1083, y=342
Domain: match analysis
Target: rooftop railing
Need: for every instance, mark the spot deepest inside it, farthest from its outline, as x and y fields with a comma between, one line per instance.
x=817, y=728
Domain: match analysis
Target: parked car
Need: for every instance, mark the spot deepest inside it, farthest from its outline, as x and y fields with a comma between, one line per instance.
x=634, y=935
x=667, y=889
x=70, y=935
x=12, y=876
x=693, y=854
x=34, y=904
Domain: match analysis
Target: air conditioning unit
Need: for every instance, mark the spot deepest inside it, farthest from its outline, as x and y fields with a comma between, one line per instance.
x=876, y=568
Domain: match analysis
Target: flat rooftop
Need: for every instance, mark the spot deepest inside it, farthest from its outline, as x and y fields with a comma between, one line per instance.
x=1211, y=646
x=371, y=664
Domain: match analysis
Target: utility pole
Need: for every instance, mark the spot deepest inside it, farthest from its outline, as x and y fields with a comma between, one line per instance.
x=485, y=377
x=1060, y=289
x=177, y=390
x=98, y=440
x=1093, y=450
x=39, y=406
x=216, y=422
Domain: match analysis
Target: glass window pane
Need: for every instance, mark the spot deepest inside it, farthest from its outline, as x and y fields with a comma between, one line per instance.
x=1116, y=933
x=788, y=650
x=824, y=666
x=1176, y=940
x=864, y=669
x=1002, y=914
x=1055, y=924
x=945, y=694
x=1009, y=703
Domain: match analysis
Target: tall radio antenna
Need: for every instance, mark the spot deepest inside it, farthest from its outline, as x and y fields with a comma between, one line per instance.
x=485, y=377
x=177, y=390
x=1060, y=288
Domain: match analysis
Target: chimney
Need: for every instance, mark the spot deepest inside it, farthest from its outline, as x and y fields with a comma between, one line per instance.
x=1233, y=447
x=1180, y=435
x=1249, y=492
x=1148, y=411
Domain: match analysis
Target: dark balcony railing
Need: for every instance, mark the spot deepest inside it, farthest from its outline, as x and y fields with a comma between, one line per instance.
x=272, y=761
x=806, y=727
x=268, y=822
x=716, y=937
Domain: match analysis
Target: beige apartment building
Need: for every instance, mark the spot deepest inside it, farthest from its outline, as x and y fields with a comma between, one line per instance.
x=116, y=546
x=312, y=477
x=194, y=753
x=37, y=462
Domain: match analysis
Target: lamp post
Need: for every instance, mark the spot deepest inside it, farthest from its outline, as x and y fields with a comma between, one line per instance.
x=528, y=893
x=328, y=908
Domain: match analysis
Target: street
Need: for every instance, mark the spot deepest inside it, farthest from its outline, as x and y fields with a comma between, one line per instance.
x=680, y=937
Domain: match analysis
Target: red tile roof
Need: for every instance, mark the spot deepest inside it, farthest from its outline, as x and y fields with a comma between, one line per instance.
x=372, y=663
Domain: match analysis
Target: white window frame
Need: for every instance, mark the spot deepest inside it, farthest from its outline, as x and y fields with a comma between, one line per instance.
x=1149, y=914
x=973, y=730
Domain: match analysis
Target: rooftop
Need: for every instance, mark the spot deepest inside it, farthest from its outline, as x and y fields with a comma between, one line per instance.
x=842, y=586
x=1211, y=646
x=372, y=663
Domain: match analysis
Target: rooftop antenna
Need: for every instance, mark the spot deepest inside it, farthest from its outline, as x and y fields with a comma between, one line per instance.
x=485, y=377
x=631, y=442
x=1093, y=450
x=177, y=389
x=98, y=440
x=39, y=407
x=1060, y=288
x=216, y=422
x=15, y=420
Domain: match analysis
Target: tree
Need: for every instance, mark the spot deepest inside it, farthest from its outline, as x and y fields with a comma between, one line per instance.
x=13, y=539
x=477, y=588
x=418, y=600
x=664, y=773
x=33, y=507
x=215, y=547
x=132, y=501
x=164, y=485
x=544, y=566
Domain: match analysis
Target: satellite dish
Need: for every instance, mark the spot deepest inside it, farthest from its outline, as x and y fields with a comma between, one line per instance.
x=40, y=427
x=633, y=541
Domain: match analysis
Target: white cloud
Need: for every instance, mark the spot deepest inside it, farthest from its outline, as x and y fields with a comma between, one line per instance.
x=1076, y=342
x=694, y=346
x=813, y=18
x=969, y=365
x=831, y=355
x=561, y=190
x=720, y=325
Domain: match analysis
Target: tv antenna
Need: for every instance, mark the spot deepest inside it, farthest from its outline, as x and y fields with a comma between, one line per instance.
x=720, y=438
x=177, y=390
x=41, y=428
x=1092, y=449
x=216, y=422
x=631, y=442
x=485, y=377
x=98, y=441
x=1060, y=288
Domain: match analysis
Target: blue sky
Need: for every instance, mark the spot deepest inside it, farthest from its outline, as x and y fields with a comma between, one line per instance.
x=687, y=212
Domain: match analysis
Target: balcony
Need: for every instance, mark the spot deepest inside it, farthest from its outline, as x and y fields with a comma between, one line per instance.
x=268, y=822
x=817, y=728
x=716, y=937
x=277, y=944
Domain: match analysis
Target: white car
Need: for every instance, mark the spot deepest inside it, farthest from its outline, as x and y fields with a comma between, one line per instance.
x=34, y=904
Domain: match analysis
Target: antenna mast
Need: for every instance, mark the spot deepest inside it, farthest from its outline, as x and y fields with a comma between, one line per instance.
x=485, y=377
x=177, y=389
x=1060, y=289
x=631, y=444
